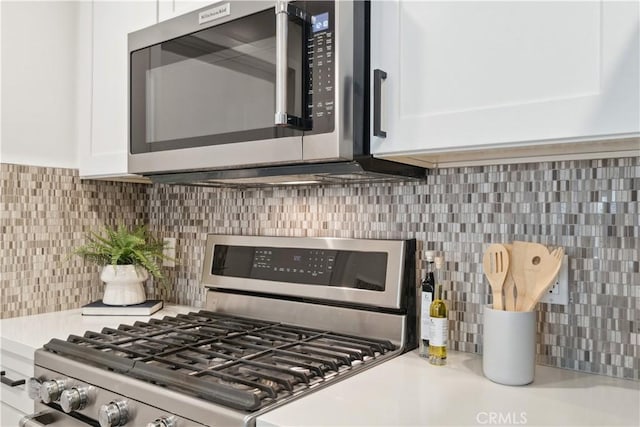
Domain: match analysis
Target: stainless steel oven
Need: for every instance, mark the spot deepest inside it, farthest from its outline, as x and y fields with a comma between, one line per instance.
x=283, y=317
x=255, y=92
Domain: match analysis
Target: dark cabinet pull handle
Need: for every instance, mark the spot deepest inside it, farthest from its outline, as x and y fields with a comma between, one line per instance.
x=10, y=383
x=378, y=77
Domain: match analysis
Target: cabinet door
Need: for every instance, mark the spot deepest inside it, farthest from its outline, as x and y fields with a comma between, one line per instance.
x=105, y=154
x=38, y=76
x=17, y=396
x=10, y=416
x=500, y=74
x=169, y=8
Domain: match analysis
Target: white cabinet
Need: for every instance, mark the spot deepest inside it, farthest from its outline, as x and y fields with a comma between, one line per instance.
x=103, y=93
x=14, y=400
x=477, y=75
x=10, y=416
x=170, y=8
x=38, y=56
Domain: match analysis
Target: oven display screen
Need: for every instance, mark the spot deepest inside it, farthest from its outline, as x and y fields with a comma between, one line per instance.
x=320, y=22
x=351, y=269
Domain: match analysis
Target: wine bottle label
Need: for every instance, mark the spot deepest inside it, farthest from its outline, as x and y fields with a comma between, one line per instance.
x=439, y=331
x=424, y=316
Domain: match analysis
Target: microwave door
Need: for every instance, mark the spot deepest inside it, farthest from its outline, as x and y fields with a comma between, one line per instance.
x=219, y=55
x=206, y=99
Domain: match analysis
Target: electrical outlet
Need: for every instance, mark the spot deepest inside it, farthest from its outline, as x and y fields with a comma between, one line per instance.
x=169, y=250
x=559, y=292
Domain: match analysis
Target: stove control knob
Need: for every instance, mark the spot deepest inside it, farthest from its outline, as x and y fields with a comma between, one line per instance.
x=50, y=390
x=164, y=422
x=74, y=399
x=33, y=388
x=115, y=413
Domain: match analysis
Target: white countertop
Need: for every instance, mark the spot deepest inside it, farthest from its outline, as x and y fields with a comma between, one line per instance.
x=404, y=391
x=408, y=391
x=23, y=335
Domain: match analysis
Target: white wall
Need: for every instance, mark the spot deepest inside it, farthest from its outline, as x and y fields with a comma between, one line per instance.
x=38, y=75
x=0, y=84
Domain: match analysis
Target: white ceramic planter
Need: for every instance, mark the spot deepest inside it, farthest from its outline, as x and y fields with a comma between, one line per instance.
x=124, y=284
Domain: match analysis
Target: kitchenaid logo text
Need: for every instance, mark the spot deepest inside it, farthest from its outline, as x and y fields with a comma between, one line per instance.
x=501, y=418
x=214, y=13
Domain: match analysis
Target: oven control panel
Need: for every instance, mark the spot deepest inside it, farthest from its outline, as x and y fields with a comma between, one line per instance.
x=315, y=265
x=72, y=402
x=303, y=266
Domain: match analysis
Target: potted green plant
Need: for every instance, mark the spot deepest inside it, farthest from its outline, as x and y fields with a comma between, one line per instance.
x=127, y=257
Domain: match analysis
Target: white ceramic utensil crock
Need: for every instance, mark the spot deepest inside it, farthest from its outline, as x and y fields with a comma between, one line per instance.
x=509, y=346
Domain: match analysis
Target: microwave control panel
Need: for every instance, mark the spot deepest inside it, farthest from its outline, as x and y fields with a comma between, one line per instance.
x=321, y=53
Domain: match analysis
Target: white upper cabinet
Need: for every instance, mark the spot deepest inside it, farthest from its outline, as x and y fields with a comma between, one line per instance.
x=465, y=75
x=102, y=110
x=38, y=83
x=169, y=8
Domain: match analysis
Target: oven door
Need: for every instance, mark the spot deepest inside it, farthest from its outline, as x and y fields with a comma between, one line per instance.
x=227, y=86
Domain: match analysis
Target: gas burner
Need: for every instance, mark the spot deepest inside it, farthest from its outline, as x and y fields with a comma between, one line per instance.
x=301, y=369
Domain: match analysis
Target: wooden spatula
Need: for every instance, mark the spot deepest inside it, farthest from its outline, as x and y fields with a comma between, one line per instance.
x=495, y=264
x=509, y=286
x=546, y=271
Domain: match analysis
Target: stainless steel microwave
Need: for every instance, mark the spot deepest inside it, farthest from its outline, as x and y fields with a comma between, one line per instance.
x=243, y=91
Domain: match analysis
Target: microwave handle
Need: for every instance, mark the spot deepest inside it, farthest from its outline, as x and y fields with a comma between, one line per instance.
x=285, y=11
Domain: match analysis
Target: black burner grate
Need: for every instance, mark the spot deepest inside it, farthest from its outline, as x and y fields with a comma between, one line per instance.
x=239, y=362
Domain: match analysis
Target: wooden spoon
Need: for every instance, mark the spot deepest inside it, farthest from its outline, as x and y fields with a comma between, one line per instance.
x=495, y=264
x=547, y=272
x=518, y=261
x=509, y=284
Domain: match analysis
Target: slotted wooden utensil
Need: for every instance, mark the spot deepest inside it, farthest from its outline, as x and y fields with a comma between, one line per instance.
x=495, y=264
x=509, y=286
x=546, y=269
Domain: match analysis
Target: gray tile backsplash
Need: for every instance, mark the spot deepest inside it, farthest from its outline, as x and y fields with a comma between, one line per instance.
x=589, y=207
x=45, y=213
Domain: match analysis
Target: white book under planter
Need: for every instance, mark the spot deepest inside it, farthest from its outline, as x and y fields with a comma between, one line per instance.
x=98, y=308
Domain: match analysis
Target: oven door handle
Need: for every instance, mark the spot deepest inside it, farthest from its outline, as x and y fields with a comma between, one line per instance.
x=48, y=418
x=284, y=13
x=32, y=420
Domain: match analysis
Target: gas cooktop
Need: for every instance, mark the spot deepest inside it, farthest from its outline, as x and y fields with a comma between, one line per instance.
x=241, y=363
x=284, y=316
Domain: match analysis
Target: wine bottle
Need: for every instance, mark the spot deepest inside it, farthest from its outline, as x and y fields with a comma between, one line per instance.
x=438, y=322
x=426, y=292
